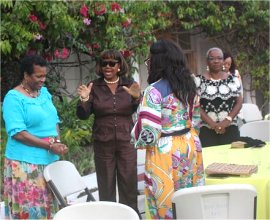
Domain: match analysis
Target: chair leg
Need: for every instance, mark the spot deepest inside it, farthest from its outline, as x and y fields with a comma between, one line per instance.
x=90, y=197
x=57, y=194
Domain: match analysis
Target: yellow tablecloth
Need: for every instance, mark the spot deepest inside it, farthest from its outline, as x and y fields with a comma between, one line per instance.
x=247, y=156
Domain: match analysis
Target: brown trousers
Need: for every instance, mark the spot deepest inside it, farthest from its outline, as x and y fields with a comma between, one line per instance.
x=116, y=161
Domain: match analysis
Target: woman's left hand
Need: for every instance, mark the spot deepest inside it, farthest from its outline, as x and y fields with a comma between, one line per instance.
x=134, y=90
x=59, y=148
x=221, y=126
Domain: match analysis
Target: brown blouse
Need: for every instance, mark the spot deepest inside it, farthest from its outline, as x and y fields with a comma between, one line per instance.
x=113, y=112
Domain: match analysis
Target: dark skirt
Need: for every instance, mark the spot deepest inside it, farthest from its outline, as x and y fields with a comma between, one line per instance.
x=209, y=137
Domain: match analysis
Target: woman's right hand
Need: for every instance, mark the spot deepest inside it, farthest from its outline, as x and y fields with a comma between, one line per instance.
x=84, y=91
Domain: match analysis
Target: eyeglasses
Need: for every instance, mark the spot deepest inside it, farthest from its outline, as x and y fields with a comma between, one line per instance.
x=147, y=61
x=111, y=63
x=215, y=58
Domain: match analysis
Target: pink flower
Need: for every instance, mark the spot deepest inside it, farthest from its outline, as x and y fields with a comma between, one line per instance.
x=100, y=10
x=61, y=55
x=56, y=53
x=95, y=46
x=126, y=23
x=115, y=7
x=33, y=18
x=65, y=53
x=126, y=53
x=48, y=57
x=42, y=26
x=87, y=21
x=84, y=10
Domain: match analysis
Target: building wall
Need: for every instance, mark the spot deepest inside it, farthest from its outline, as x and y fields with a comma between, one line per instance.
x=72, y=77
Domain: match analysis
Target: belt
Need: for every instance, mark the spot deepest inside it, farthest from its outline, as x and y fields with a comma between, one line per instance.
x=176, y=133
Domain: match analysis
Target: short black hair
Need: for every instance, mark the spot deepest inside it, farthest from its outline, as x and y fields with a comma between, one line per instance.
x=26, y=64
x=116, y=55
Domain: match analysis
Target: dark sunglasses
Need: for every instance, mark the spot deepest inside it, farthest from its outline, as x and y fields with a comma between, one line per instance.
x=111, y=63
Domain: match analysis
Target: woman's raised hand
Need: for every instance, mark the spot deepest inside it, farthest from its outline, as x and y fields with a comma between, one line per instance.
x=84, y=91
x=134, y=90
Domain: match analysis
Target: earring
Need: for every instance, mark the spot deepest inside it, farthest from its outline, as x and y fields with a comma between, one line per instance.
x=118, y=70
x=207, y=68
x=223, y=67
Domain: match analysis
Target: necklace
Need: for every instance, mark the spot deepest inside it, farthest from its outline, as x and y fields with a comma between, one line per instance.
x=211, y=78
x=112, y=82
x=28, y=91
x=214, y=79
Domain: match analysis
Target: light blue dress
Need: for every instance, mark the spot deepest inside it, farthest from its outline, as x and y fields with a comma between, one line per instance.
x=38, y=116
x=26, y=194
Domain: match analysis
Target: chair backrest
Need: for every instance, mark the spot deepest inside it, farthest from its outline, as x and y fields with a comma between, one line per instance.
x=256, y=129
x=250, y=112
x=64, y=179
x=223, y=201
x=96, y=210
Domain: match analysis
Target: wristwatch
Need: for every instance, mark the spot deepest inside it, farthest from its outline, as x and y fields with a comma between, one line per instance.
x=229, y=118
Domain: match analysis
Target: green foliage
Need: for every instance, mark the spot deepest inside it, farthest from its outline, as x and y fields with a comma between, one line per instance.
x=75, y=133
x=240, y=27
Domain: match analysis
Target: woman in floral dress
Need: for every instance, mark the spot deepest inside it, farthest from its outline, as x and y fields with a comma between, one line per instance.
x=31, y=123
x=167, y=127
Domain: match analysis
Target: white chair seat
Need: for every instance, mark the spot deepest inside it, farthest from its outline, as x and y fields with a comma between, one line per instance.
x=256, y=129
x=96, y=210
x=250, y=112
x=224, y=201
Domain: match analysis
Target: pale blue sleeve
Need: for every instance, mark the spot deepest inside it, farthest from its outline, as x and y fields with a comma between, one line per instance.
x=13, y=114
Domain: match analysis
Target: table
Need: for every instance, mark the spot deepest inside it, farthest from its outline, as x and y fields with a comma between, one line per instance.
x=245, y=156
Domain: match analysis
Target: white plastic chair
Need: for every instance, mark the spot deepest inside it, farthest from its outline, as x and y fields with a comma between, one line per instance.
x=64, y=180
x=256, y=129
x=250, y=112
x=96, y=210
x=224, y=201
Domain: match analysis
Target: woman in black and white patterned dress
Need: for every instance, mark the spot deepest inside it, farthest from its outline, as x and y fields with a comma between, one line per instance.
x=221, y=100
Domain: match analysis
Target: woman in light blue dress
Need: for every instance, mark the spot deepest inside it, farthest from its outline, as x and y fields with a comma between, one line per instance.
x=31, y=123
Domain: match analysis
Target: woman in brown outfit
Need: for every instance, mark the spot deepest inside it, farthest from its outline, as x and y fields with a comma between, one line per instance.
x=113, y=99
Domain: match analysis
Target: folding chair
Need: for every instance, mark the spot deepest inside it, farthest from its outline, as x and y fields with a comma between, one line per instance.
x=223, y=201
x=256, y=130
x=96, y=210
x=64, y=180
x=250, y=112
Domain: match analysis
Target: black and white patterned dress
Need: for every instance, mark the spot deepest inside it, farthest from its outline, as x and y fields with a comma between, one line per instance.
x=218, y=97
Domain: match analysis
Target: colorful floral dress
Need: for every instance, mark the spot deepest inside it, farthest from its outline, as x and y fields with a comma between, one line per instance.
x=172, y=162
x=26, y=194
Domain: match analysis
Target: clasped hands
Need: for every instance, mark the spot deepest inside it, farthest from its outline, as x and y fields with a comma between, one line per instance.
x=134, y=90
x=58, y=148
x=220, y=127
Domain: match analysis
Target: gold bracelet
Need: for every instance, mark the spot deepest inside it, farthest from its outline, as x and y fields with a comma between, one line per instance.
x=84, y=99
